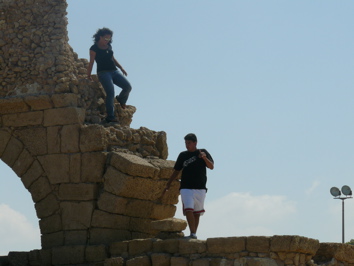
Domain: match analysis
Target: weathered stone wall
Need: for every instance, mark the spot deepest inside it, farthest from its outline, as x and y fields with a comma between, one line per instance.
x=35, y=56
x=91, y=184
x=226, y=251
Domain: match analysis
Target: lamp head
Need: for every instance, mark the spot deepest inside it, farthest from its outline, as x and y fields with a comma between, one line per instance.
x=335, y=192
x=346, y=190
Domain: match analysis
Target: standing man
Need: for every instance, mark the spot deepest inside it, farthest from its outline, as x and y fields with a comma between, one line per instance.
x=193, y=163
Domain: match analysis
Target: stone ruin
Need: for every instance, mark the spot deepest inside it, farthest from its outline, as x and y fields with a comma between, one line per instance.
x=96, y=186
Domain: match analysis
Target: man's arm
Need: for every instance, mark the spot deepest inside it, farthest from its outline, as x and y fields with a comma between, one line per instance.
x=208, y=163
x=173, y=176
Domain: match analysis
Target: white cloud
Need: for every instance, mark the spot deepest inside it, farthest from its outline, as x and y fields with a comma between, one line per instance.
x=16, y=232
x=243, y=214
x=314, y=185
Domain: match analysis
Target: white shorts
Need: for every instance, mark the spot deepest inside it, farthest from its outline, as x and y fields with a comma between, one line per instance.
x=193, y=200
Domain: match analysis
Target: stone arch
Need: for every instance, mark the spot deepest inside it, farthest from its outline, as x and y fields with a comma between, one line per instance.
x=72, y=169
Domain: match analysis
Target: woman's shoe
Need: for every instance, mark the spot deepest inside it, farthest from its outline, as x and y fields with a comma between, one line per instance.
x=121, y=104
x=111, y=120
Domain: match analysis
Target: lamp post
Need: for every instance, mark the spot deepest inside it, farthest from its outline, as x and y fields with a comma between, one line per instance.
x=346, y=190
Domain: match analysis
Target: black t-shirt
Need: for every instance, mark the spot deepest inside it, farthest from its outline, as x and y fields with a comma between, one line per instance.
x=193, y=169
x=104, y=58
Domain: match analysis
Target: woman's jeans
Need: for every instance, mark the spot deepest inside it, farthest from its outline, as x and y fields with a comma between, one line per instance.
x=107, y=79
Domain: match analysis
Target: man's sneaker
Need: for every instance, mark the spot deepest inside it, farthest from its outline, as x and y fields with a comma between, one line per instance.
x=191, y=236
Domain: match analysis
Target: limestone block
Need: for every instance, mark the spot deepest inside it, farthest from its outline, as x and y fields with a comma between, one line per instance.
x=76, y=237
x=226, y=244
x=23, y=163
x=52, y=240
x=39, y=102
x=4, y=139
x=65, y=100
x=12, y=151
x=46, y=256
x=161, y=145
x=258, y=262
x=161, y=259
x=161, y=211
x=169, y=225
x=92, y=138
x=76, y=215
x=34, y=257
x=33, y=173
x=68, y=255
x=141, y=235
x=170, y=196
x=92, y=166
x=258, y=243
x=40, y=189
x=294, y=244
x=165, y=166
x=50, y=224
x=131, y=187
x=118, y=261
x=221, y=261
x=119, y=249
x=111, y=203
x=166, y=246
x=13, y=105
x=170, y=235
x=201, y=262
x=302, y=257
x=56, y=166
x=34, y=139
x=69, y=141
x=96, y=253
x=18, y=258
x=23, y=119
x=53, y=139
x=47, y=206
x=192, y=246
x=40, y=257
x=179, y=261
x=133, y=165
x=139, y=208
x=63, y=116
x=139, y=247
x=341, y=252
x=106, y=220
x=79, y=192
x=75, y=168
x=142, y=225
x=139, y=261
x=107, y=236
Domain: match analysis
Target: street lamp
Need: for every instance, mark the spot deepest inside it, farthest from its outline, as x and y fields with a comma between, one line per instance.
x=337, y=195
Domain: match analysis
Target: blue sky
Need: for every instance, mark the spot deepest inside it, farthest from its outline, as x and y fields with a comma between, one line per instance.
x=267, y=86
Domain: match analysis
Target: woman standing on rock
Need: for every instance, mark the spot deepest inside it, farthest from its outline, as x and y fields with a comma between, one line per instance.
x=101, y=52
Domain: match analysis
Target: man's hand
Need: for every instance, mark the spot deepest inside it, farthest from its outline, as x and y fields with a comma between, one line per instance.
x=164, y=191
x=202, y=154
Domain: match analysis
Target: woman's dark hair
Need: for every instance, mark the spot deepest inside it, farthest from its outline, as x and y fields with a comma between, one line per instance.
x=102, y=32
